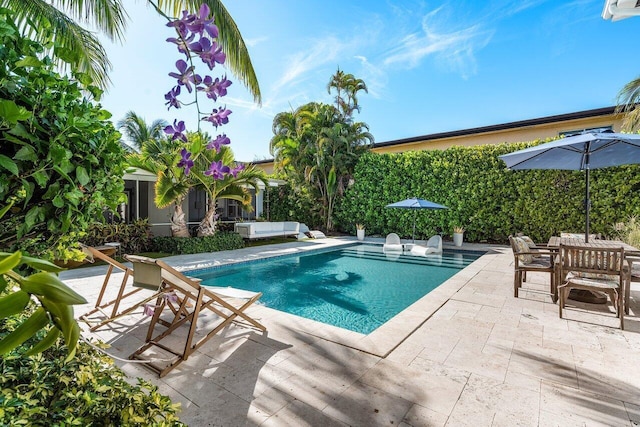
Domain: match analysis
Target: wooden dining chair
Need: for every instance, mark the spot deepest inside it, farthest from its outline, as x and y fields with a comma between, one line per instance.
x=596, y=269
x=537, y=260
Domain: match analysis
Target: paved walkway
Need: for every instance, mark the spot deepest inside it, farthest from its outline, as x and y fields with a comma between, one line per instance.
x=473, y=355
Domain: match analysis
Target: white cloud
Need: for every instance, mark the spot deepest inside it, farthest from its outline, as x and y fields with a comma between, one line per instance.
x=455, y=48
x=255, y=41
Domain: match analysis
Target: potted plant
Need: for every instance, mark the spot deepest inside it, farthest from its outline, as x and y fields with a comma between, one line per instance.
x=458, y=235
x=360, y=231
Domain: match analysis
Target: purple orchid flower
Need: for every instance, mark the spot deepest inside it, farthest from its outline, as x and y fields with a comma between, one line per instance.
x=218, y=142
x=186, y=76
x=172, y=98
x=200, y=24
x=215, y=88
x=182, y=42
x=185, y=161
x=181, y=24
x=218, y=117
x=217, y=170
x=176, y=131
x=239, y=167
x=213, y=55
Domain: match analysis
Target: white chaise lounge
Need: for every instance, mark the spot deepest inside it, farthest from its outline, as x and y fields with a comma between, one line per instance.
x=262, y=230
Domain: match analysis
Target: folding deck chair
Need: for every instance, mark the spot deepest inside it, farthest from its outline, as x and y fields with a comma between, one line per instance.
x=92, y=318
x=186, y=299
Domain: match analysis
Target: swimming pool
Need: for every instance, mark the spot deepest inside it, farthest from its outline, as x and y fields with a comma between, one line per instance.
x=356, y=287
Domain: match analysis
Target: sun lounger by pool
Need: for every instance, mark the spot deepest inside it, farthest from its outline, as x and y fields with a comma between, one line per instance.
x=187, y=301
x=105, y=312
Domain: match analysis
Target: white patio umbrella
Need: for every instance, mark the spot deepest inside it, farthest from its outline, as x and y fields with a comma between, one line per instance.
x=415, y=203
x=583, y=152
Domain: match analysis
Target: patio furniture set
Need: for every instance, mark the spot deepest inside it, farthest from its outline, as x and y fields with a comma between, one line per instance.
x=587, y=271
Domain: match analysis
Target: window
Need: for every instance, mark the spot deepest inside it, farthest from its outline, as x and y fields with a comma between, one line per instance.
x=579, y=131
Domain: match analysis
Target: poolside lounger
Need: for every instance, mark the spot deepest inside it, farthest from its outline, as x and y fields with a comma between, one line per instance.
x=434, y=246
x=105, y=312
x=187, y=300
x=392, y=243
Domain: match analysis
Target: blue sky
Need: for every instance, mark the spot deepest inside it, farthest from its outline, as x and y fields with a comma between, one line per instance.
x=430, y=66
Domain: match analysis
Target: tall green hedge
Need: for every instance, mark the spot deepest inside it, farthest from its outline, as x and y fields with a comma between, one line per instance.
x=485, y=198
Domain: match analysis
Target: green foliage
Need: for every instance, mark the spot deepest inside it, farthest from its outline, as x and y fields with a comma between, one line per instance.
x=56, y=302
x=293, y=204
x=88, y=390
x=61, y=161
x=628, y=231
x=485, y=198
x=134, y=237
x=221, y=241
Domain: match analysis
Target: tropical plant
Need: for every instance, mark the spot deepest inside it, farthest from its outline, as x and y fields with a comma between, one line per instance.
x=347, y=87
x=56, y=24
x=318, y=147
x=161, y=157
x=629, y=103
x=137, y=131
x=61, y=163
x=212, y=174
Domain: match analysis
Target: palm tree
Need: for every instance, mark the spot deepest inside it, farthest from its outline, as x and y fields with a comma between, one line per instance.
x=231, y=186
x=58, y=22
x=318, y=146
x=629, y=102
x=347, y=88
x=160, y=157
x=136, y=130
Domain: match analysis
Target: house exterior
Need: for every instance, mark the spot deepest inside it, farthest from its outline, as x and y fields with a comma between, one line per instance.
x=140, y=191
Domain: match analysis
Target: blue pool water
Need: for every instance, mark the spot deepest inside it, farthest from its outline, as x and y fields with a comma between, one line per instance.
x=357, y=288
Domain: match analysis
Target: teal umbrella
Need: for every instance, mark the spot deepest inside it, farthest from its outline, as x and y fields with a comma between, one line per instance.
x=415, y=203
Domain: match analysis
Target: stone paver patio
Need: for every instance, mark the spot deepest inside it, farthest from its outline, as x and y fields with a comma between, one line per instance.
x=467, y=354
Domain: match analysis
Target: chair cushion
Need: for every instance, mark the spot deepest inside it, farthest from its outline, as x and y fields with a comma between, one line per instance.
x=579, y=279
x=522, y=246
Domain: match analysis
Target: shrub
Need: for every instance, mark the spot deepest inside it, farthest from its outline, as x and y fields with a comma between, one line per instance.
x=61, y=162
x=87, y=390
x=221, y=241
x=134, y=237
x=485, y=198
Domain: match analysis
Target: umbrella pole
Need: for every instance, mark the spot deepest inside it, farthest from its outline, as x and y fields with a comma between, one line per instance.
x=587, y=205
x=414, y=225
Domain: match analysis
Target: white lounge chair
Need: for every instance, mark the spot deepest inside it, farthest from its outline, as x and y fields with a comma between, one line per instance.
x=434, y=246
x=306, y=233
x=392, y=243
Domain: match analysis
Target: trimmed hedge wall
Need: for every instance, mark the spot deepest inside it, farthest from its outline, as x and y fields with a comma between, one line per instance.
x=221, y=241
x=485, y=198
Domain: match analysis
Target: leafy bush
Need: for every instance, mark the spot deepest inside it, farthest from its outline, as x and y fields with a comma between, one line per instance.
x=134, y=237
x=287, y=204
x=87, y=390
x=485, y=198
x=221, y=241
x=61, y=162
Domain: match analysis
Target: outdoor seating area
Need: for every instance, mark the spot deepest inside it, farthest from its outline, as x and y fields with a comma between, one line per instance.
x=480, y=354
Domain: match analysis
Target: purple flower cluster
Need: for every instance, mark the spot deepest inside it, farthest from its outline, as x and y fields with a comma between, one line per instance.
x=197, y=37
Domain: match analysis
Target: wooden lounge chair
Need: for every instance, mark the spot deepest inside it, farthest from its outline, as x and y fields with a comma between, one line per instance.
x=105, y=312
x=532, y=260
x=594, y=269
x=187, y=300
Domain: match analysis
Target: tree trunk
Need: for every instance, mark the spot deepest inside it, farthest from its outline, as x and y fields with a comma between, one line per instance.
x=207, y=226
x=178, y=224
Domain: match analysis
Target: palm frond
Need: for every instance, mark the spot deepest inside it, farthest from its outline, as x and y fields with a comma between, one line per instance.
x=73, y=45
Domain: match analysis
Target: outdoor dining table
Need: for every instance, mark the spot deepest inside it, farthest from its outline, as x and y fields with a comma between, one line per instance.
x=631, y=254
